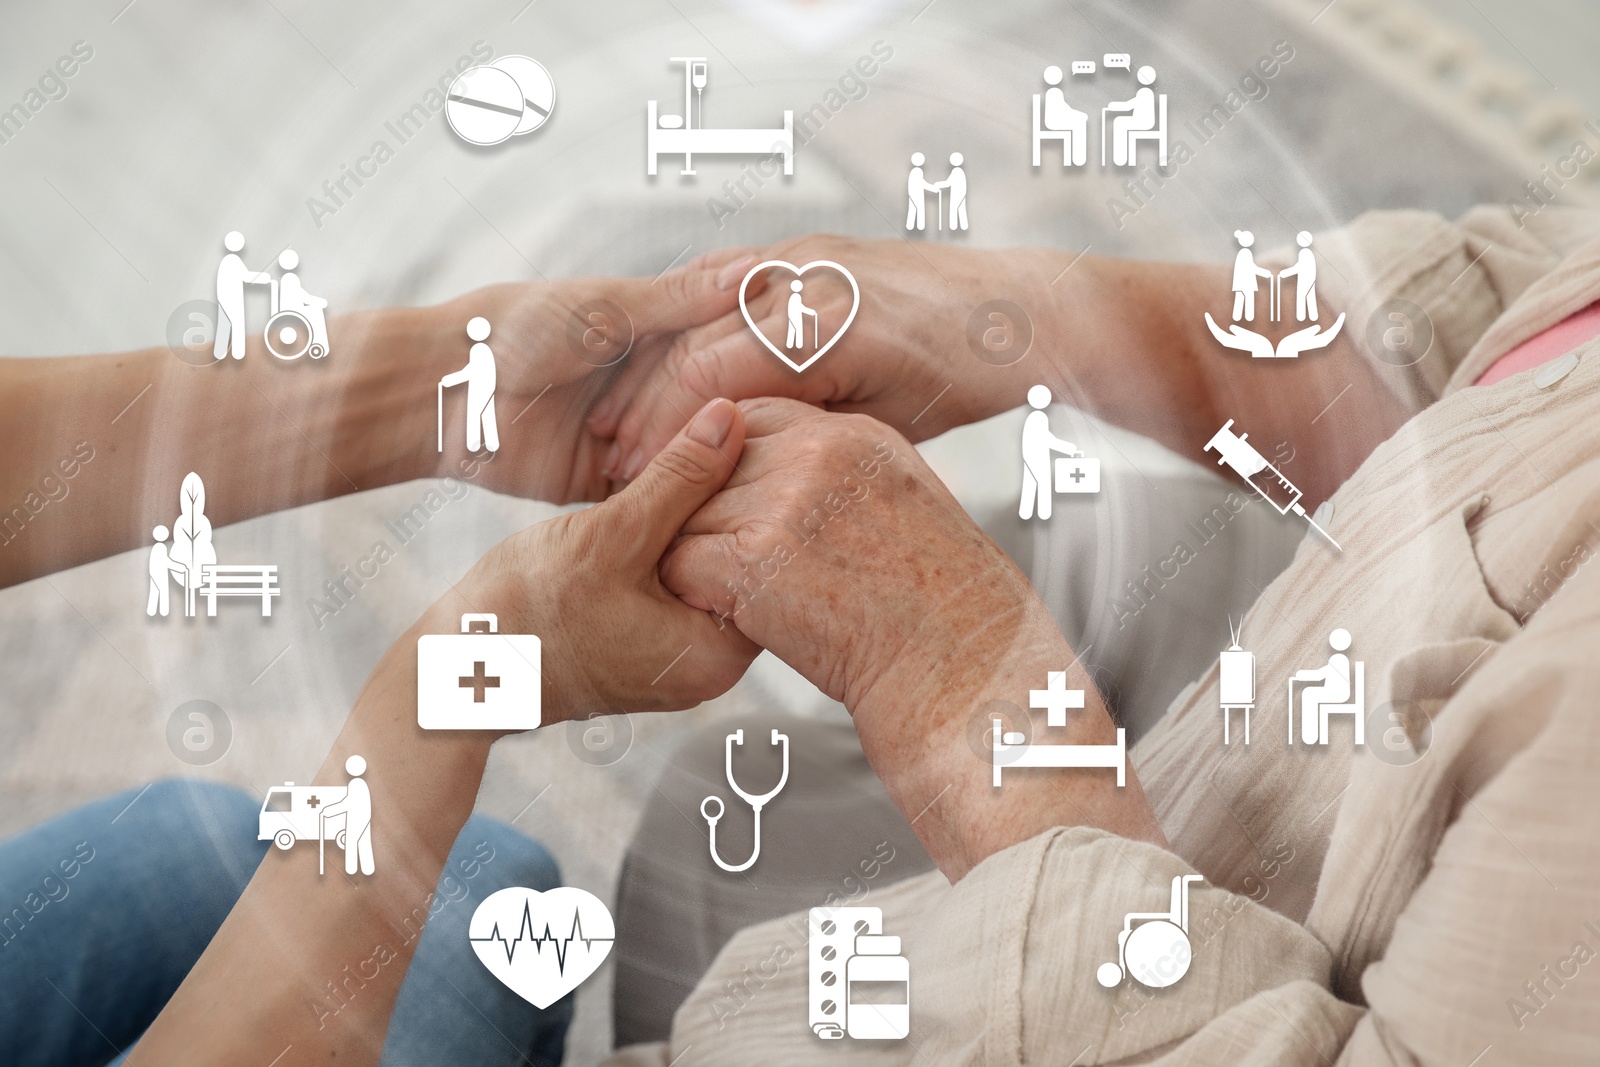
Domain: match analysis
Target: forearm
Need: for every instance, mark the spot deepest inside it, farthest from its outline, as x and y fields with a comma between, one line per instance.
x=262, y=986
x=263, y=434
x=586, y=583
x=925, y=724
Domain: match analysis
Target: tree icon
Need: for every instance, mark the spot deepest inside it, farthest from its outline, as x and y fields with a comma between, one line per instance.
x=191, y=537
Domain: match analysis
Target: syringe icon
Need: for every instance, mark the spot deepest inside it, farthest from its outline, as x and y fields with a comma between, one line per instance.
x=1275, y=489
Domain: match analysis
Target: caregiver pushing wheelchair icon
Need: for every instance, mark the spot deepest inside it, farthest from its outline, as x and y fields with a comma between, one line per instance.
x=296, y=325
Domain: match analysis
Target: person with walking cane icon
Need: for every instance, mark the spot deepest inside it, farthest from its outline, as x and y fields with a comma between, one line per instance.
x=356, y=807
x=796, y=337
x=479, y=376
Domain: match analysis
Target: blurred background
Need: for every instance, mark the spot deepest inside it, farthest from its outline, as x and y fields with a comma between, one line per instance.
x=188, y=120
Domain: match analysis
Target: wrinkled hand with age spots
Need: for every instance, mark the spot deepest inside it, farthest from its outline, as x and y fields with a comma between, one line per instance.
x=836, y=547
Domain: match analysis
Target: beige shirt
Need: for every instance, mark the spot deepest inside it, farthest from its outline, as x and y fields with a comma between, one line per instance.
x=1432, y=897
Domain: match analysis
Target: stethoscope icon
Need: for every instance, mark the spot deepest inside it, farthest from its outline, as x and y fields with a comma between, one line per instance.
x=756, y=802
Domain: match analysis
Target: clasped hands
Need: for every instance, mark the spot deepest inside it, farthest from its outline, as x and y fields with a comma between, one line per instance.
x=744, y=505
x=748, y=507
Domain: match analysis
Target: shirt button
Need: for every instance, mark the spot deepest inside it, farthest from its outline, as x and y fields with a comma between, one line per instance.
x=1555, y=370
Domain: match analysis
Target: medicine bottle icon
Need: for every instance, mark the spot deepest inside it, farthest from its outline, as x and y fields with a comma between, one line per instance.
x=878, y=990
x=860, y=983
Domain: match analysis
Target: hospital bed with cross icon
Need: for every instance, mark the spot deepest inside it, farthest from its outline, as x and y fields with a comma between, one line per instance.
x=1012, y=748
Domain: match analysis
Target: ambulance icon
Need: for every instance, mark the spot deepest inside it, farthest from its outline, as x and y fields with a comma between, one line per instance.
x=479, y=679
x=292, y=813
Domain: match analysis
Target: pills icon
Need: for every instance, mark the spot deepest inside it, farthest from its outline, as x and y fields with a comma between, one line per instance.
x=488, y=104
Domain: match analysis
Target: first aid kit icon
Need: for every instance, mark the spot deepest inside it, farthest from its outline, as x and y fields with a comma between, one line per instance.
x=479, y=679
x=1077, y=474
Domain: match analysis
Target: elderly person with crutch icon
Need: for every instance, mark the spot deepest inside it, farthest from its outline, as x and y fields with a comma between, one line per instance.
x=479, y=376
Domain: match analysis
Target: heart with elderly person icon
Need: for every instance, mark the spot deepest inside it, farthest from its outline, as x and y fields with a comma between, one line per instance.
x=795, y=351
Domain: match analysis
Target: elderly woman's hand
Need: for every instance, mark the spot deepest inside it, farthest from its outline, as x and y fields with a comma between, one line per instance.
x=837, y=548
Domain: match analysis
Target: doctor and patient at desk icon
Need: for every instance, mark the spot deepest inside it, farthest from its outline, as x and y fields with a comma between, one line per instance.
x=1141, y=117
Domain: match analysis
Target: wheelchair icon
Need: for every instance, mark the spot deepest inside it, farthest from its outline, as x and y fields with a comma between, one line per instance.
x=297, y=326
x=289, y=336
x=1156, y=953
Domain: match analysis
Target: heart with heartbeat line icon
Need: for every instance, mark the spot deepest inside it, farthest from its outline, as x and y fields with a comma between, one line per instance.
x=542, y=945
x=796, y=351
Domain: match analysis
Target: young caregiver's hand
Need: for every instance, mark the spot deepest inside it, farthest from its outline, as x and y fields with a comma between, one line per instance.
x=267, y=435
x=586, y=583
x=612, y=638
x=837, y=548
x=907, y=344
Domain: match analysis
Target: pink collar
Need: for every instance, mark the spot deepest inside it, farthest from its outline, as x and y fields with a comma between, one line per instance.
x=1558, y=340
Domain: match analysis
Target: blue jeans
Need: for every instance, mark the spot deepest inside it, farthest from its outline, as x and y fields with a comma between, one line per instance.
x=104, y=910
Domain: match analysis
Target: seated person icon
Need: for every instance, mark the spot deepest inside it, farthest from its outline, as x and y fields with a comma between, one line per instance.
x=1061, y=121
x=1144, y=120
x=298, y=324
x=1331, y=691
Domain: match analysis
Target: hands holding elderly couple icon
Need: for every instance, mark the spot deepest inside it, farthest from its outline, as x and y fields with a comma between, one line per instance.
x=1245, y=283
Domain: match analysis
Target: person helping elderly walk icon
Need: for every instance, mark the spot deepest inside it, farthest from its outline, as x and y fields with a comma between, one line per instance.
x=918, y=188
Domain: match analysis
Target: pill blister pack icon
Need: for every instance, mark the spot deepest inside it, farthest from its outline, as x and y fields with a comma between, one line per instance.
x=832, y=941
